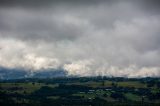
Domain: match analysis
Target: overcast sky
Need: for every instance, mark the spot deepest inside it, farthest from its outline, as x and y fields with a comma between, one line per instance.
x=85, y=38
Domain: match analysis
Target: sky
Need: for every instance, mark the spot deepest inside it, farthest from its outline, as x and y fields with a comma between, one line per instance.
x=118, y=38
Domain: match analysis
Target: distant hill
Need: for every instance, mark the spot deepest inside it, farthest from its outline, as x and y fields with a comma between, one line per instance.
x=6, y=73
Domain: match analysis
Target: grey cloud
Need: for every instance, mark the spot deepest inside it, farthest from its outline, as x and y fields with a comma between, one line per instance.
x=113, y=38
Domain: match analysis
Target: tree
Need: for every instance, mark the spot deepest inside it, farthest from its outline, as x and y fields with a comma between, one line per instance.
x=117, y=95
x=114, y=84
x=158, y=84
x=150, y=83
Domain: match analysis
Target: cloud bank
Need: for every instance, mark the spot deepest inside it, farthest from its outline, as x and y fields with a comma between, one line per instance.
x=105, y=37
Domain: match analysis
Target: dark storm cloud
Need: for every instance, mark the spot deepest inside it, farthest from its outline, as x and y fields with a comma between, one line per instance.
x=154, y=4
x=107, y=37
x=48, y=3
x=151, y=4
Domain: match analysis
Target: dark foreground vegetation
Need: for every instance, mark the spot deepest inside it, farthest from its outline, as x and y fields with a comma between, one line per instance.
x=93, y=91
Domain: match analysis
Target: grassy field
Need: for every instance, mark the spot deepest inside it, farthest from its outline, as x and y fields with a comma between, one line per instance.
x=23, y=87
x=135, y=84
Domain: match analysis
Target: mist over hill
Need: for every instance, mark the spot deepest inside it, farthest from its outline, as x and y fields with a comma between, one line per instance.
x=20, y=74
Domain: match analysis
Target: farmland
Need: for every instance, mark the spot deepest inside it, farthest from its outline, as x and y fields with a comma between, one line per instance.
x=80, y=92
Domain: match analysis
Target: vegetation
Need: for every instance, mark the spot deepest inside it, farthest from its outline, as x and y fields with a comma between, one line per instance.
x=93, y=91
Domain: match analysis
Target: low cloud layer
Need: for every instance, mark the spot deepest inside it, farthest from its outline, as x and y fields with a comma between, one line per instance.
x=105, y=37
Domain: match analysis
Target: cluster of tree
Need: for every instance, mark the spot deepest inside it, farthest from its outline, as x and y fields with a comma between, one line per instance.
x=61, y=90
x=81, y=79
